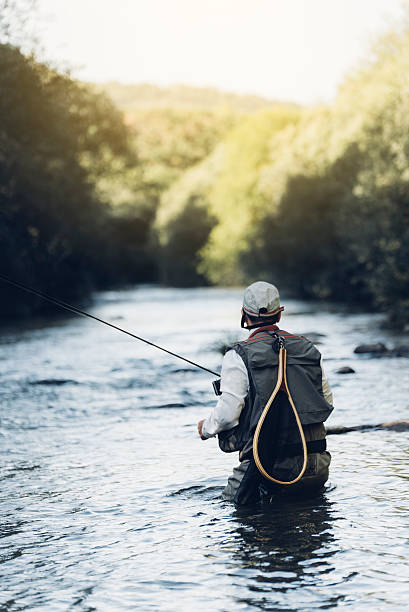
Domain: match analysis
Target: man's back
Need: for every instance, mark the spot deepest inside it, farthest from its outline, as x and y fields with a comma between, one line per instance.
x=250, y=371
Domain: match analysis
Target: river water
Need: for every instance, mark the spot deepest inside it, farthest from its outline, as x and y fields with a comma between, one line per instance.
x=110, y=501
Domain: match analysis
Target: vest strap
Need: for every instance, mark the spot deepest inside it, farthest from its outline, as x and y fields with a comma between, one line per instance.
x=292, y=450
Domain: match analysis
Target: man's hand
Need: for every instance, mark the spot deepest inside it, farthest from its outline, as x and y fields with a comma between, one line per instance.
x=199, y=429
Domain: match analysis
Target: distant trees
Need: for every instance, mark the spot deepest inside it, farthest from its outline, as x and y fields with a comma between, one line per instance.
x=313, y=199
x=236, y=198
x=56, y=139
x=169, y=141
x=131, y=98
x=80, y=187
x=184, y=221
x=340, y=218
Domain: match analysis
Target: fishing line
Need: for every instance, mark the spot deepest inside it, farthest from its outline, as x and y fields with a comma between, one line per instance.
x=77, y=311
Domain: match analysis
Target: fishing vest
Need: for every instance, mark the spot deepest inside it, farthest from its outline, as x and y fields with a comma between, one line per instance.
x=304, y=375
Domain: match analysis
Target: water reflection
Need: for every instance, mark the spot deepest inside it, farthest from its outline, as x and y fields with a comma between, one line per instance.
x=285, y=545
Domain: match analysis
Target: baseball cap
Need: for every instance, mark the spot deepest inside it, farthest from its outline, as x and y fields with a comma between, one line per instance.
x=262, y=300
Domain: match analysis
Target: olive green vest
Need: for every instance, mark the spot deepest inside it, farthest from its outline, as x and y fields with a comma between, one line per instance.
x=304, y=376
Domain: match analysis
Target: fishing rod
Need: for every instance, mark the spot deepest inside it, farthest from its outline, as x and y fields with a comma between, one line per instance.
x=395, y=425
x=75, y=310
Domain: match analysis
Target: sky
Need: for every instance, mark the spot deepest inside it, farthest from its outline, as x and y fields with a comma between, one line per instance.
x=293, y=50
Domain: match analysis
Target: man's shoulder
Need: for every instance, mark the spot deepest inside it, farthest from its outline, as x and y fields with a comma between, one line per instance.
x=296, y=343
x=285, y=334
x=233, y=359
x=234, y=349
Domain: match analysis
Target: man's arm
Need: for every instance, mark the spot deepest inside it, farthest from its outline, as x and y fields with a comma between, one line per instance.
x=234, y=387
x=326, y=389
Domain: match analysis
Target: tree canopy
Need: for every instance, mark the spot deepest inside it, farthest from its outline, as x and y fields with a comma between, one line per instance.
x=216, y=189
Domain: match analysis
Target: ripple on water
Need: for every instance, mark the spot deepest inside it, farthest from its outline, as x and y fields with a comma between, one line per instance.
x=110, y=501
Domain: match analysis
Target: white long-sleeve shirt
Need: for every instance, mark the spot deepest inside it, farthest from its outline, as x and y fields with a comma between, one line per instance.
x=234, y=388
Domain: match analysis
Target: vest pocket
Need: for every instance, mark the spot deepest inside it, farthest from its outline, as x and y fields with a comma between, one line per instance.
x=229, y=440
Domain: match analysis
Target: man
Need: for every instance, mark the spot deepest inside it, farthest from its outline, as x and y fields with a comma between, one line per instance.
x=249, y=375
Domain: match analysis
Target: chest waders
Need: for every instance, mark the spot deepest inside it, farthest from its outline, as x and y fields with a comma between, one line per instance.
x=282, y=385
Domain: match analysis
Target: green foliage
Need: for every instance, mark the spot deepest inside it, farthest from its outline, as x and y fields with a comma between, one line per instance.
x=170, y=141
x=80, y=186
x=315, y=199
x=235, y=199
x=56, y=139
x=225, y=185
x=193, y=186
x=338, y=225
x=185, y=206
x=186, y=234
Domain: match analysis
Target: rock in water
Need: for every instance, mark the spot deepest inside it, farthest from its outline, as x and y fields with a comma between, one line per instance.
x=378, y=348
x=393, y=426
x=53, y=381
x=396, y=425
x=400, y=351
x=345, y=370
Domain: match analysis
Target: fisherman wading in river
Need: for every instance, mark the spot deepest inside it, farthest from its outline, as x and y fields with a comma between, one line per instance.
x=275, y=399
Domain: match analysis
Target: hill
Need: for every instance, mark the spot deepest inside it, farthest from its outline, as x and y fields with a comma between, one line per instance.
x=145, y=95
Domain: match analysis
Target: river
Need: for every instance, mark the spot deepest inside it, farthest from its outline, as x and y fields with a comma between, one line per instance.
x=110, y=501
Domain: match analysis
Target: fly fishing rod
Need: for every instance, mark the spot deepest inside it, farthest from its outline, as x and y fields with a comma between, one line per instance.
x=75, y=310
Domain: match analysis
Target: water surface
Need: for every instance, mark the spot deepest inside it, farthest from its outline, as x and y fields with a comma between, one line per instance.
x=110, y=501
